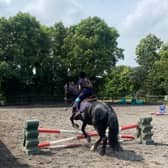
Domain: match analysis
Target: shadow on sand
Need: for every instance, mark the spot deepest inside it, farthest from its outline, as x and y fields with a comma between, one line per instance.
x=128, y=155
x=7, y=160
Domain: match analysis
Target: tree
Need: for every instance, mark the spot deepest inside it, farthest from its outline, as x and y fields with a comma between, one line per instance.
x=24, y=44
x=31, y=43
x=137, y=78
x=91, y=46
x=147, y=51
x=38, y=59
x=164, y=50
x=58, y=34
x=157, y=80
x=118, y=82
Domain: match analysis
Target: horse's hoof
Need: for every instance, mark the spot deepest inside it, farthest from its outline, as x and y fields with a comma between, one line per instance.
x=102, y=152
x=75, y=126
x=120, y=149
x=89, y=139
x=117, y=148
x=92, y=148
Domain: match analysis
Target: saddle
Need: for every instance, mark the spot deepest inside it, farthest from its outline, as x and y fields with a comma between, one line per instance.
x=85, y=104
x=91, y=98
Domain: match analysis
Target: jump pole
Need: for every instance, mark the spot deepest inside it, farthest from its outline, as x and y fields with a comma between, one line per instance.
x=55, y=131
x=128, y=127
x=159, y=114
x=129, y=137
x=125, y=136
x=31, y=132
x=51, y=143
x=65, y=146
x=94, y=133
x=58, y=131
x=78, y=137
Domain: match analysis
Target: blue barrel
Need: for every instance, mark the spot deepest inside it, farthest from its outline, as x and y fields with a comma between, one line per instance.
x=162, y=108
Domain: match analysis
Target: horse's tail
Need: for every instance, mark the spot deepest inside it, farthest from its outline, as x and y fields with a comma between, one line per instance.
x=113, y=129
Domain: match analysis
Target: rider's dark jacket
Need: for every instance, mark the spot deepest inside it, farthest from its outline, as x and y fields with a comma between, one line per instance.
x=86, y=90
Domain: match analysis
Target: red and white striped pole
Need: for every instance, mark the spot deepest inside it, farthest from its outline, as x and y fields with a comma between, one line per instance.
x=128, y=127
x=58, y=131
x=46, y=144
x=125, y=136
x=78, y=137
x=51, y=143
x=65, y=146
x=94, y=133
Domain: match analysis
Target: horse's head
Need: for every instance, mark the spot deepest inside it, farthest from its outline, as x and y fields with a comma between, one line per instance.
x=70, y=91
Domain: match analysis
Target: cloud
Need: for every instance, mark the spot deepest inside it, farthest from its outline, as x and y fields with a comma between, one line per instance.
x=51, y=11
x=144, y=17
x=148, y=16
x=11, y=7
x=5, y=1
x=46, y=11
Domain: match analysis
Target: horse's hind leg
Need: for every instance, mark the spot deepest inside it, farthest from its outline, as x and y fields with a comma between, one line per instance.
x=113, y=135
x=101, y=129
x=103, y=150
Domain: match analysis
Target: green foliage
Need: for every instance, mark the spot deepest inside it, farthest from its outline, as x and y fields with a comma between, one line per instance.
x=147, y=51
x=151, y=54
x=38, y=59
x=91, y=46
x=137, y=77
x=157, y=80
x=4, y=69
x=118, y=82
x=164, y=50
x=24, y=44
x=57, y=65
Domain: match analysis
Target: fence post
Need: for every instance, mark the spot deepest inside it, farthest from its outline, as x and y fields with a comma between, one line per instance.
x=146, y=131
x=31, y=134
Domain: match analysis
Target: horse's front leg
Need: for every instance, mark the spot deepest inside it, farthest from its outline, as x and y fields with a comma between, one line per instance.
x=94, y=147
x=72, y=121
x=84, y=132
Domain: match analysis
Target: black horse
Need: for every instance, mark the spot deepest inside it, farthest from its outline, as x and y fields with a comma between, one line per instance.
x=70, y=91
x=101, y=116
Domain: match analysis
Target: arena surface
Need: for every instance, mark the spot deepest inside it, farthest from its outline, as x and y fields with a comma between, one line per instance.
x=12, y=120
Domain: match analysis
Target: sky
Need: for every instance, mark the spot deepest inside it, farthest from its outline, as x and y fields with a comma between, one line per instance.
x=134, y=19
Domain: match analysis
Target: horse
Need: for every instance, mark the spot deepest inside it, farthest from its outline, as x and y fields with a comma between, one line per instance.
x=70, y=91
x=101, y=116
